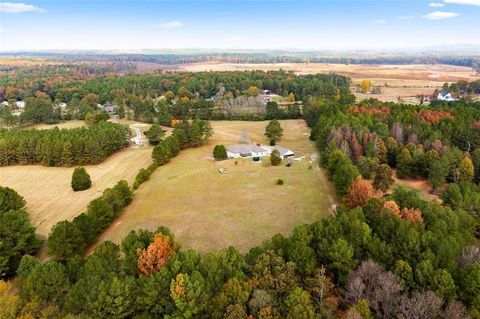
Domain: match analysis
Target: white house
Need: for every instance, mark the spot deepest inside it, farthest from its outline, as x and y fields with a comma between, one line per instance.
x=445, y=96
x=252, y=150
x=5, y=103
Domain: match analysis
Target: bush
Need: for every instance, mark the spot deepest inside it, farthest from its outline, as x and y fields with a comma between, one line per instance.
x=219, y=152
x=275, y=158
x=80, y=179
x=280, y=181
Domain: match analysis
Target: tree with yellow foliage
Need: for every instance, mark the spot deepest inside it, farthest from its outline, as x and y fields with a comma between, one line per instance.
x=291, y=97
x=365, y=86
x=466, y=169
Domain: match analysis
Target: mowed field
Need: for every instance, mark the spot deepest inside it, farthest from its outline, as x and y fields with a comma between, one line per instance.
x=243, y=207
x=47, y=190
x=404, y=81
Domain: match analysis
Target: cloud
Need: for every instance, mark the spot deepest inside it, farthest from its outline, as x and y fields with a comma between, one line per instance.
x=18, y=7
x=467, y=2
x=406, y=17
x=171, y=25
x=380, y=21
x=440, y=15
x=436, y=4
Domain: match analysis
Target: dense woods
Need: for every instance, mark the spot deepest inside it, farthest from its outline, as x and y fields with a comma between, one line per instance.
x=62, y=147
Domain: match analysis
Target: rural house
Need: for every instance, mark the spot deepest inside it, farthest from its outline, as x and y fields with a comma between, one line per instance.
x=253, y=150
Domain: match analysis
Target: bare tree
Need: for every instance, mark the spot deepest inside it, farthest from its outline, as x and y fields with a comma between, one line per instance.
x=470, y=255
x=381, y=288
x=397, y=132
x=454, y=310
x=421, y=305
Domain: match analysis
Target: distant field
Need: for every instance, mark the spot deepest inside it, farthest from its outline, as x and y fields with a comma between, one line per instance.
x=66, y=124
x=207, y=210
x=404, y=81
x=47, y=189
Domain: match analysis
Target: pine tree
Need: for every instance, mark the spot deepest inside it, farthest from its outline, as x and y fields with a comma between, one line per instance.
x=80, y=179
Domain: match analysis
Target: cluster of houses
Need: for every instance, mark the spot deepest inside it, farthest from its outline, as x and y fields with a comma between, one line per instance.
x=257, y=151
x=17, y=108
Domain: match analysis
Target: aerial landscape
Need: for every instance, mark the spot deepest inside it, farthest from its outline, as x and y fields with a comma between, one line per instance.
x=240, y=159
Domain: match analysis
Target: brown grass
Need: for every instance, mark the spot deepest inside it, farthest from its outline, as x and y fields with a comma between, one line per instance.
x=207, y=210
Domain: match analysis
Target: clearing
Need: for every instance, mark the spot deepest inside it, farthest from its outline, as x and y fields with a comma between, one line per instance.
x=207, y=210
x=49, y=195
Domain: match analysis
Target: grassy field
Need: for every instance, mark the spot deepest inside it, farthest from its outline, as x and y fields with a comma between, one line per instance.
x=207, y=210
x=47, y=189
x=65, y=124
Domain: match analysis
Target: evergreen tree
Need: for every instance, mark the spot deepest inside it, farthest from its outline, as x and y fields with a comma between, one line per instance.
x=80, y=179
x=219, y=152
x=273, y=131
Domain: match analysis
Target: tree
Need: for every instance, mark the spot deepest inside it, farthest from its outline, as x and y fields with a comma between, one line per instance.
x=96, y=117
x=161, y=154
x=365, y=86
x=10, y=200
x=252, y=91
x=404, y=163
x=466, y=170
x=155, y=134
x=360, y=192
x=383, y=178
x=65, y=241
x=273, y=131
x=437, y=173
x=299, y=305
x=80, y=179
x=156, y=255
x=219, y=152
x=187, y=292
x=275, y=158
x=17, y=238
x=115, y=298
x=291, y=97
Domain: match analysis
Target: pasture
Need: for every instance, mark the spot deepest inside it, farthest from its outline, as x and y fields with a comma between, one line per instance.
x=207, y=210
x=47, y=190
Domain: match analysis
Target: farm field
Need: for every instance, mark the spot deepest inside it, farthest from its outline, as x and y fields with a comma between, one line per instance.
x=404, y=81
x=65, y=124
x=47, y=190
x=207, y=210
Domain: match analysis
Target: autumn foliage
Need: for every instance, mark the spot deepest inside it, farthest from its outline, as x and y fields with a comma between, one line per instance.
x=360, y=192
x=433, y=117
x=413, y=215
x=155, y=256
x=382, y=111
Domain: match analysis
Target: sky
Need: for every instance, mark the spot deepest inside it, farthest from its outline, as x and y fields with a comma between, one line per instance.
x=215, y=24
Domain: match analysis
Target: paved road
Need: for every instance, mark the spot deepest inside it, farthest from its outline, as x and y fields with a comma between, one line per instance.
x=138, y=135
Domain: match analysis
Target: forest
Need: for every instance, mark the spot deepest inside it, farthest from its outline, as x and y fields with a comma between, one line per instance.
x=62, y=147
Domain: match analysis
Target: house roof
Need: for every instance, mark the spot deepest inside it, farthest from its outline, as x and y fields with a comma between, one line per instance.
x=245, y=148
x=282, y=150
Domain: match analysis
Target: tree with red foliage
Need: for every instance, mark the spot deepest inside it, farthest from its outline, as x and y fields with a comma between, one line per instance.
x=156, y=255
x=360, y=192
x=413, y=215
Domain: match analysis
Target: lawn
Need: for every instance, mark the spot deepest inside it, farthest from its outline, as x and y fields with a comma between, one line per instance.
x=207, y=210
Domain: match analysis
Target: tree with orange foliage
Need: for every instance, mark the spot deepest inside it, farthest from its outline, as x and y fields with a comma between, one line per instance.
x=156, y=255
x=360, y=192
x=392, y=207
x=413, y=215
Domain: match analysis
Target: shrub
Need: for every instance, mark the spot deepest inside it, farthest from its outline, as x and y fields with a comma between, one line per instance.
x=280, y=181
x=219, y=152
x=80, y=179
x=275, y=158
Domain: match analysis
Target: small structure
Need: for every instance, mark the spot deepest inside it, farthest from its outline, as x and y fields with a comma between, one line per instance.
x=107, y=107
x=267, y=95
x=21, y=104
x=445, y=96
x=5, y=103
x=222, y=170
x=253, y=150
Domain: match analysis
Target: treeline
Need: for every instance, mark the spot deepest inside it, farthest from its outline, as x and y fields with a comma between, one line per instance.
x=17, y=235
x=68, y=239
x=365, y=262
x=62, y=147
x=260, y=57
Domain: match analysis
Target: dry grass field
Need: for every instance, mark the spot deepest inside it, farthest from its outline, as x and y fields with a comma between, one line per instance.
x=243, y=207
x=47, y=189
x=66, y=124
x=404, y=81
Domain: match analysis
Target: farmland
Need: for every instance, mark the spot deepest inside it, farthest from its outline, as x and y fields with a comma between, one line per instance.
x=207, y=210
x=404, y=81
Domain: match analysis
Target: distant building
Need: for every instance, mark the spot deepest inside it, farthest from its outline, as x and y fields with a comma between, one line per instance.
x=445, y=96
x=5, y=103
x=107, y=107
x=60, y=106
x=267, y=95
x=253, y=150
x=21, y=104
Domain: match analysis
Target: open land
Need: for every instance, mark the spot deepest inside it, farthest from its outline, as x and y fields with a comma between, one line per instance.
x=47, y=190
x=395, y=81
x=207, y=210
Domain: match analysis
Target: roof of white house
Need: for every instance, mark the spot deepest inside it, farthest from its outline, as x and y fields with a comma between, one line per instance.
x=282, y=150
x=21, y=104
x=445, y=96
x=245, y=148
x=5, y=103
